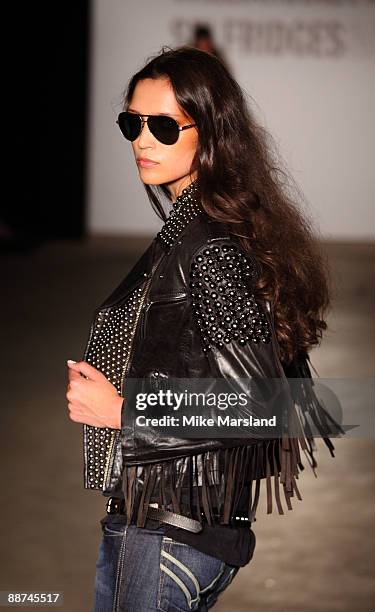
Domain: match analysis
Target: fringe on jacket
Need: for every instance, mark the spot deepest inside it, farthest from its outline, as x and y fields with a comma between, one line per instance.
x=210, y=484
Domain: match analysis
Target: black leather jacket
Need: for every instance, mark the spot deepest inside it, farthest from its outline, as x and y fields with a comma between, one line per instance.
x=196, y=317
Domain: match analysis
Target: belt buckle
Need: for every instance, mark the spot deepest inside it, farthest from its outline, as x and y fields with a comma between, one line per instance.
x=114, y=505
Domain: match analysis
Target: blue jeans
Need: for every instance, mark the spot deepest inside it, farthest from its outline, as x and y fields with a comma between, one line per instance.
x=142, y=570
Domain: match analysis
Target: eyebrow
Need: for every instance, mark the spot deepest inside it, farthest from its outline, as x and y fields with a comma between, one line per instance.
x=164, y=114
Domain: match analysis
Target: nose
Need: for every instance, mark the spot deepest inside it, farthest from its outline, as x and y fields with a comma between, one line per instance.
x=145, y=137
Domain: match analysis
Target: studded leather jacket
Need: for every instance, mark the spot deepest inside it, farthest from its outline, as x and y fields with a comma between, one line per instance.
x=188, y=309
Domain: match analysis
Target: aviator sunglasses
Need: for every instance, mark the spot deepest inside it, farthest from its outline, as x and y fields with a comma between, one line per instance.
x=164, y=128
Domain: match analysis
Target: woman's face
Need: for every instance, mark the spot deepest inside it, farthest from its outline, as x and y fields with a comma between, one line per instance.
x=154, y=97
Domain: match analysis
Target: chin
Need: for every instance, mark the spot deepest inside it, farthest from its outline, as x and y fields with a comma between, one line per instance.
x=151, y=178
x=150, y=181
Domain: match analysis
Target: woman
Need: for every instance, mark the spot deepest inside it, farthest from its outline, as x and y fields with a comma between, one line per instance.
x=232, y=288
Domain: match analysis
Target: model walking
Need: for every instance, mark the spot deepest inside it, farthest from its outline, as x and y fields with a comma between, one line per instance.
x=233, y=287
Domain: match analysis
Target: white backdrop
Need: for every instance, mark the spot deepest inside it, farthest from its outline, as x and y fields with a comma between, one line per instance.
x=309, y=69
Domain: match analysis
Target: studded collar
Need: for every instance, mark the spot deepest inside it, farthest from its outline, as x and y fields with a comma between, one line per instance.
x=186, y=207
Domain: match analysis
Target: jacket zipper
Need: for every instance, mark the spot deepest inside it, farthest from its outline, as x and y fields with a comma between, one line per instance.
x=115, y=433
x=170, y=299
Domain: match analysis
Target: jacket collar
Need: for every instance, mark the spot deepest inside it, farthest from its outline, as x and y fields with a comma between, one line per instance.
x=186, y=207
x=184, y=210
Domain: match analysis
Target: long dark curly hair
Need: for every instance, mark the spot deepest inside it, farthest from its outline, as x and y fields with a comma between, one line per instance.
x=243, y=182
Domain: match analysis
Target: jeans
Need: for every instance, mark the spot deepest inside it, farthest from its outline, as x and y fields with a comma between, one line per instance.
x=142, y=570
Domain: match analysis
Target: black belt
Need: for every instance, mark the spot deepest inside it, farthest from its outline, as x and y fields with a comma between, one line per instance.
x=116, y=505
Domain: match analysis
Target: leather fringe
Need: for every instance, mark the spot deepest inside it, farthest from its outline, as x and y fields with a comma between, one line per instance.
x=188, y=486
x=309, y=406
x=212, y=484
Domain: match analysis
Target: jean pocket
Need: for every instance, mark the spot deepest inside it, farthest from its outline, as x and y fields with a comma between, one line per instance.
x=185, y=575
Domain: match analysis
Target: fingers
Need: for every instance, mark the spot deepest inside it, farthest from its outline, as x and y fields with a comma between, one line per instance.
x=75, y=414
x=73, y=395
x=82, y=367
x=73, y=375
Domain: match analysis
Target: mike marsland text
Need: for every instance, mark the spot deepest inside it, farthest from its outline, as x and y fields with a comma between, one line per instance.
x=199, y=421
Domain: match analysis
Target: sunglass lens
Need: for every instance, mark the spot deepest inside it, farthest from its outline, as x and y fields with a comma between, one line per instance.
x=165, y=129
x=130, y=125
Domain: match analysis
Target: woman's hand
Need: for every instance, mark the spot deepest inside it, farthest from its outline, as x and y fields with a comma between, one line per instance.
x=92, y=400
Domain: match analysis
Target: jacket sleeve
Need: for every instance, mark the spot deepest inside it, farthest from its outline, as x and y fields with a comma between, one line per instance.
x=231, y=321
x=238, y=336
x=236, y=332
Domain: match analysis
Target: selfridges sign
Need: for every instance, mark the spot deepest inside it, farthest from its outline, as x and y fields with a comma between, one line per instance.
x=307, y=28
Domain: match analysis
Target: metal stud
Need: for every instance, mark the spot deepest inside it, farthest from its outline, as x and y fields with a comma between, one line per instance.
x=240, y=318
x=108, y=352
x=184, y=210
